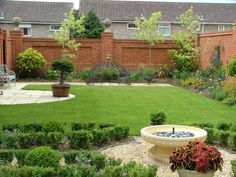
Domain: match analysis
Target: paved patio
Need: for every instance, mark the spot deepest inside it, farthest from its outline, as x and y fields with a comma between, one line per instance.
x=15, y=95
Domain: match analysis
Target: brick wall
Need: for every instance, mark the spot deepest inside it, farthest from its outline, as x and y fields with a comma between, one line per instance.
x=208, y=43
x=130, y=53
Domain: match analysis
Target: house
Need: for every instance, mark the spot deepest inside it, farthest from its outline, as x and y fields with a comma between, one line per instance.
x=214, y=16
x=39, y=19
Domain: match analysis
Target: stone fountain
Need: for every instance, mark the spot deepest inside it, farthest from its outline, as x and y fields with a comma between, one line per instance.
x=167, y=137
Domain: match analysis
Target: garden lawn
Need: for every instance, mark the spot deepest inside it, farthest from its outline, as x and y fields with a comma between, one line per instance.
x=130, y=106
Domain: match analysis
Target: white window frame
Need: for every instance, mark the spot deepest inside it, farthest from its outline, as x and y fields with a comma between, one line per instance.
x=219, y=26
x=54, y=29
x=29, y=26
x=132, y=28
x=165, y=25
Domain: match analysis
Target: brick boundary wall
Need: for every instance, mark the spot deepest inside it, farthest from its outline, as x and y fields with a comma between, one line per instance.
x=127, y=52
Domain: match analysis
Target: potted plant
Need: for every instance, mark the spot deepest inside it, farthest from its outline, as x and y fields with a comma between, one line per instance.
x=66, y=37
x=64, y=67
x=196, y=159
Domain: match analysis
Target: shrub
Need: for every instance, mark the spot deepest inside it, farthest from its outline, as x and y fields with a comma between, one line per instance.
x=106, y=125
x=53, y=127
x=80, y=139
x=34, y=127
x=44, y=157
x=224, y=126
x=233, y=163
x=230, y=86
x=158, y=118
x=233, y=127
x=86, y=171
x=26, y=171
x=51, y=75
x=211, y=135
x=232, y=66
x=30, y=60
x=6, y=156
x=196, y=156
x=100, y=137
x=54, y=139
x=119, y=132
x=107, y=73
x=136, y=76
x=203, y=125
x=223, y=137
x=233, y=141
x=82, y=126
x=84, y=74
x=230, y=101
x=218, y=94
x=136, y=170
x=12, y=127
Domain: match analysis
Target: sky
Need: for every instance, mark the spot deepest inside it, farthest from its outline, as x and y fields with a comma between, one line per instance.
x=76, y=2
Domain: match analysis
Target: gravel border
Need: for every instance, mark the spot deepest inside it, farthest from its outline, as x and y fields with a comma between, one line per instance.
x=137, y=151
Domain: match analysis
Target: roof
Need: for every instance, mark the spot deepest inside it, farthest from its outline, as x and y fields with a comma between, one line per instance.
x=128, y=10
x=32, y=11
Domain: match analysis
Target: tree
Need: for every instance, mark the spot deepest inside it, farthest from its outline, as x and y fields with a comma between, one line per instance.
x=93, y=26
x=186, y=57
x=148, y=30
x=70, y=28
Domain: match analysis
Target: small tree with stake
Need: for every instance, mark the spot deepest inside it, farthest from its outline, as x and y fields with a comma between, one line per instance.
x=65, y=37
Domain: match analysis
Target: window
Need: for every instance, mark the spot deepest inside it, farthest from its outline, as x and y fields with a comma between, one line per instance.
x=27, y=29
x=224, y=27
x=164, y=29
x=55, y=27
x=131, y=26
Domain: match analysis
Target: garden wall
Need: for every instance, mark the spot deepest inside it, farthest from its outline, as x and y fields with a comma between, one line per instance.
x=130, y=53
x=225, y=41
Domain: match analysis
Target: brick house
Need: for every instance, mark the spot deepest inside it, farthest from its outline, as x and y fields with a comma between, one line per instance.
x=39, y=19
x=215, y=17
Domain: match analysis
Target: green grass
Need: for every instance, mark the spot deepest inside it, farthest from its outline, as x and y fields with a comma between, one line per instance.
x=130, y=106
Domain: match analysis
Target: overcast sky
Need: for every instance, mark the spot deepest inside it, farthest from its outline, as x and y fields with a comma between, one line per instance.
x=76, y=2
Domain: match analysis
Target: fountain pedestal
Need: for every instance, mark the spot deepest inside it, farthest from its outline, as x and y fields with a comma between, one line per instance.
x=163, y=146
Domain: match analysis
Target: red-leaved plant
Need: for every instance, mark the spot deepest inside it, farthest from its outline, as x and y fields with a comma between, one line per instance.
x=196, y=156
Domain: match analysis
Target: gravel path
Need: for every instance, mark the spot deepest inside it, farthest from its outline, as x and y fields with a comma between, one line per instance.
x=137, y=151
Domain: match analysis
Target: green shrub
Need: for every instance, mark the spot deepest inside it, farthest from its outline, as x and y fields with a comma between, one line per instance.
x=136, y=76
x=30, y=60
x=224, y=126
x=44, y=157
x=20, y=155
x=54, y=139
x=84, y=74
x=100, y=137
x=86, y=171
x=107, y=73
x=136, y=170
x=233, y=141
x=233, y=127
x=218, y=94
x=203, y=125
x=230, y=86
x=34, y=127
x=10, y=140
x=230, y=101
x=211, y=135
x=26, y=172
x=233, y=163
x=158, y=118
x=67, y=171
x=119, y=132
x=51, y=74
x=12, y=127
x=106, y=125
x=80, y=139
x=82, y=126
x=53, y=127
x=223, y=137
x=6, y=156
x=232, y=66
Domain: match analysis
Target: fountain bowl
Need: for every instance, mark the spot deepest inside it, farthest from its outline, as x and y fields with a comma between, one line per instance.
x=163, y=146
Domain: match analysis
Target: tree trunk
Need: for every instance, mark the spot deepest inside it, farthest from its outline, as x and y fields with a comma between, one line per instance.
x=62, y=78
